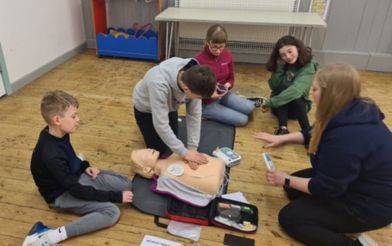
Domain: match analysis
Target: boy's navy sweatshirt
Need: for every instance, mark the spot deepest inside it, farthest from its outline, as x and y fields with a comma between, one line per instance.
x=353, y=162
x=56, y=169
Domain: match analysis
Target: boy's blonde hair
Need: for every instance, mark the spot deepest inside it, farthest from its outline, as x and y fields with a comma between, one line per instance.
x=56, y=103
x=339, y=85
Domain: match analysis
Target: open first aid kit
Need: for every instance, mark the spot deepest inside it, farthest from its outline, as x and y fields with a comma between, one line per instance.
x=220, y=212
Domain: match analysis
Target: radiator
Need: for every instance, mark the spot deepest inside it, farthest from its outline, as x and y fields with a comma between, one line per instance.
x=244, y=39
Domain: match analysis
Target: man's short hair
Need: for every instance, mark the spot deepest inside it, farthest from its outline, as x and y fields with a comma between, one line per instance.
x=200, y=80
x=56, y=103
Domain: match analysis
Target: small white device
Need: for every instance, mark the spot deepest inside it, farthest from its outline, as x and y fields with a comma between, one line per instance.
x=268, y=162
x=228, y=155
x=175, y=169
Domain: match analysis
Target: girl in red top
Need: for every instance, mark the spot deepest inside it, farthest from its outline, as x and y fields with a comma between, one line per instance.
x=223, y=106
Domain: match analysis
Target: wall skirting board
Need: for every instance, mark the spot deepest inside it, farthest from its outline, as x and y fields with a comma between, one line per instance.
x=16, y=85
x=358, y=59
x=379, y=62
x=4, y=74
x=91, y=43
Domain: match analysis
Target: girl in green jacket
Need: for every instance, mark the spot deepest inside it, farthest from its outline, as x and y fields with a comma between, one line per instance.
x=292, y=74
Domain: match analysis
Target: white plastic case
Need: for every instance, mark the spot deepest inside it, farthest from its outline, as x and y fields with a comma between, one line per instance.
x=228, y=155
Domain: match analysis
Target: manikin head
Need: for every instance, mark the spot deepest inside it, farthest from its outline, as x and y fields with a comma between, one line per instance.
x=144, y=162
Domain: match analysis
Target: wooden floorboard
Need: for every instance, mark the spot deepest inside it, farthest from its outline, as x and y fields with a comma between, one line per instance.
x=108, y=133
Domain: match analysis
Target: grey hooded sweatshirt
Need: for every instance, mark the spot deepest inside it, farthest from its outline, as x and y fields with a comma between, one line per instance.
x=158, y=93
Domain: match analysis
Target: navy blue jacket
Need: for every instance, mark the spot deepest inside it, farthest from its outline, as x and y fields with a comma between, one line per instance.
x=353, y=162
x=56, y=169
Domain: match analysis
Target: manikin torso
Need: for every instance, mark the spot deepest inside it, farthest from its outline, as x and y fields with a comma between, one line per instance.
x=207, y=178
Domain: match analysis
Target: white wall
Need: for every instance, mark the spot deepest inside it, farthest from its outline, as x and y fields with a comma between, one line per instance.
x=2, y=89
x=34, y=33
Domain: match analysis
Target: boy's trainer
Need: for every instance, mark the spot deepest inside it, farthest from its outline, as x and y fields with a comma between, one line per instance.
x=37, y=236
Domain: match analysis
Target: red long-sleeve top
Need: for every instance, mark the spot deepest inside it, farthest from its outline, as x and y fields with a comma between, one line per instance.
x=222, y=66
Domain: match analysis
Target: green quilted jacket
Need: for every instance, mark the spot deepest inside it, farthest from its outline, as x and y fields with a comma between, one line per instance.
x=288, y=83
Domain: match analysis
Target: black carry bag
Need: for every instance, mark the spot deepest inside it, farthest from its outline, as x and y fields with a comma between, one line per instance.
x=184, y=212
x=220, y=212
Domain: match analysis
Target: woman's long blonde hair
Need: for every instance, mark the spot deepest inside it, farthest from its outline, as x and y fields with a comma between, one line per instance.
x=339, y=85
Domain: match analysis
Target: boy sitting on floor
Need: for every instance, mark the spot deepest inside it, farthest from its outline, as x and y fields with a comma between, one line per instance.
x=68, y=183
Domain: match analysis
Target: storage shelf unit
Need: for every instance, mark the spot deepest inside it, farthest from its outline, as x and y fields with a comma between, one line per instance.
x=127, y=44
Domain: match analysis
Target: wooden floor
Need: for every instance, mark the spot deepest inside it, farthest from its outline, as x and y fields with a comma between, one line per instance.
x=108, y=134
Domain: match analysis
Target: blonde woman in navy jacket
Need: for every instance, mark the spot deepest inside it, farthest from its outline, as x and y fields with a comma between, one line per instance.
x=349, y=187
